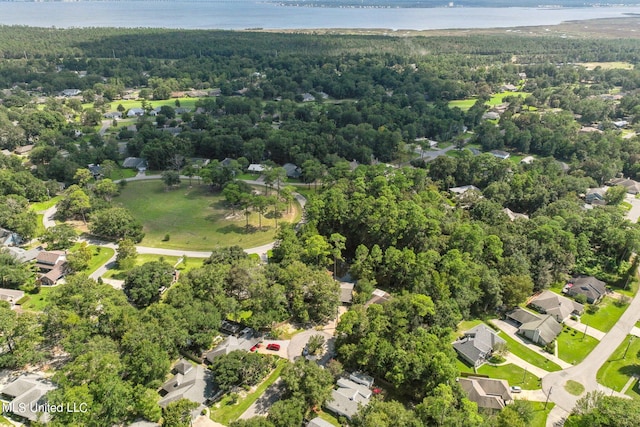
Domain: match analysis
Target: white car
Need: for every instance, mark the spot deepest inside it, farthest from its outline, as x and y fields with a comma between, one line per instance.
x=516, y=389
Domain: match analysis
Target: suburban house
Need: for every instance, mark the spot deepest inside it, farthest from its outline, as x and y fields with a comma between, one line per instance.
x=541, y=329
x=503, y=155
x=463, y=189
x=256, y=168
x=593, y=289
x=293, y=171
x=556, y=305
x=95, y=170
x=113, y=115
x=23, y=149
x=378, y=296
x=360, y=378
x=9, y=238
x=347, y=399
x=23, y=255
x=12, y=296
x=319, y=422
x=231, y=343
x=488, y=393
x=514, y=215
x=71, y=92
x=135, y=163
x=491, y=115
x=53, y=265
x=307, y=97
x=477, y=345
x=25, y=395
x=346, y=292
x=595, y=196
x=135, y=112
x=192, y=382
x=633, y=187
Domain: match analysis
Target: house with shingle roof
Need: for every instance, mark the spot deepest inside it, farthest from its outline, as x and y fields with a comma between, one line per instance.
x=191, y=382
x=477, y=345
x=593, y=289
x=348, y=398
x=541, y=331
x=12, y=296
x=488, y=393
x=556, y=305
x=520, y=316
x=633, y=187
x=25, y=395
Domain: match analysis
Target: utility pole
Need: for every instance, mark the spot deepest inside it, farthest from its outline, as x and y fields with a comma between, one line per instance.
x=628, y=345
x=525, y=374
x=548, y=396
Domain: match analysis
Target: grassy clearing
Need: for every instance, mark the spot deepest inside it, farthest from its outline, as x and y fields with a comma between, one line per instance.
x=43, y=206
x=607, y=315
x=496, y=99
x=329, y=418
x=194, y=218
x=465, y=325
x=540, y=414
x=137, y=103
x=192, y=263
x=606, y=65
x=227, y=412
x=573, y=345
x=38, y=302
x=123, y=174
x=529, y=355
x=620, y=367
x=574, y=387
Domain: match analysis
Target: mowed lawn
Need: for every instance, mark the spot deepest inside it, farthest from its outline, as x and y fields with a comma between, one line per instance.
x=574, y=345
x=192, y=263
x=194, y=218
x=514, y=375
x=607, y=315
x=496, y=99
x=619, y=368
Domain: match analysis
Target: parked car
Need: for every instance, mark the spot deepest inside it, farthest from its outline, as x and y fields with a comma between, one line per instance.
x=255, y=347
x=516, y=389
x=274, y=347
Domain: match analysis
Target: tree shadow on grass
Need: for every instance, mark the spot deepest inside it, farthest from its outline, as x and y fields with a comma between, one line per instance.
x=629, y=370
x=237, y=229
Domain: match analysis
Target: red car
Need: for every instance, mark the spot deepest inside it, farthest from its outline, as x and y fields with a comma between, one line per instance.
x=274, y=347
x=255, y=347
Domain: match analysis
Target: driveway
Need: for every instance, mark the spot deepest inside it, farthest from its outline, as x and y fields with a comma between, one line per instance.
x=634, y=213
x=299, y=341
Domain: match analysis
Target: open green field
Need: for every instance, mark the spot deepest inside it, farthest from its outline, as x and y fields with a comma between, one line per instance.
x=194, y=218
x=227, y=412
x=617, y=370
x=573, y=345
x=192, y=263
x=529, y=355
x=606, y=65
x=127, y=104
x=496, y=99
x=510, y=372
x=607, y=315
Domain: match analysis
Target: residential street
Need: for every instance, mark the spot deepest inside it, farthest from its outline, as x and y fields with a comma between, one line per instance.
x=585, y=372
x=261, y=406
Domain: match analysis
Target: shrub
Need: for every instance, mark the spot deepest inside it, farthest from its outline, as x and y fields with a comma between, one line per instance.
x=550, y=348
x=592, y=309
x=166, y=237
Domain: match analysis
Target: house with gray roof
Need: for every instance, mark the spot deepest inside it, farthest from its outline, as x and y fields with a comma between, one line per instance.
x=293, y=171
x=348, y=398
x=192, y=382
x=135, y=163
x=477, y=345
x=593, y=289
x=463, y=189
x=559, y=307
x=346, y=292
x=488, y=393
x=633, y=187
x=541, y=331
x=23, y=255
x=520, y=316
x=26, y=396
x=232, y=343
x=503, y=155
x=319, y=422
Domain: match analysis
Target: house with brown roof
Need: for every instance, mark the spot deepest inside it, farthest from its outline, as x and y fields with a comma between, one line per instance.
x=53, y=266
x=488, y=393
x=559, y=307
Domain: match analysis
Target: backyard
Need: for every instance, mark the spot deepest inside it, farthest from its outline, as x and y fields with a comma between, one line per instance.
x=573, y=345
x=514, y=375
x=194, y=218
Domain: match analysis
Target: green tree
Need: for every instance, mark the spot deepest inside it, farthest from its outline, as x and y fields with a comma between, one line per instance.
x=307, y=382
x=82, y=177
x=126, y=254
x=78, y=260
x=615, y=195
x=106, y=189
x=60, y=236
x=178, y=413
x=20, y=338
x=171, y=178
x=116, y=223
x=143, y=283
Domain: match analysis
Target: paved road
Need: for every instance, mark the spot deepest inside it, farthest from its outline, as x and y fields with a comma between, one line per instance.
x=261, y=406
x=585, y=372
x=634, y=212
x=299, y=341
